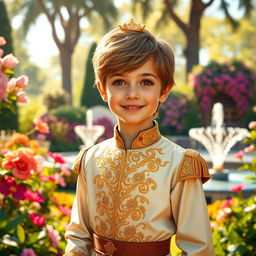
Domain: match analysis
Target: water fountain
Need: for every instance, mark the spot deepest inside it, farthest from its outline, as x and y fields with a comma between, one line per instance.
x=218, y=140
x=89, y=133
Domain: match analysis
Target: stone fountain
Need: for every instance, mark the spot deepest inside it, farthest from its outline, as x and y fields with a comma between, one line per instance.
x=218, y=140
x=89, y=133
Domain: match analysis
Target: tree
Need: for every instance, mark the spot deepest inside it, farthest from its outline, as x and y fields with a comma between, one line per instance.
x=8, y=119
x=191, y=29
x=90, y=95
x=68, y=14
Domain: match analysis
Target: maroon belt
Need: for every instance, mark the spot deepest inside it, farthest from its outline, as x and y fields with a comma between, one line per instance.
x=110, y=247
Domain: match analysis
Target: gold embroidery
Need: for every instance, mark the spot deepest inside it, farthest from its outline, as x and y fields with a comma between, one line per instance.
x=145, y=138
x=74, y=254
x=122, y=186
x=193, y=166
x=77, y=163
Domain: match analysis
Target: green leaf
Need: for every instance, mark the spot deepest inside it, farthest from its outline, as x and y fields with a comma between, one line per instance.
x=2, y=214
x=13, y=224
x=20, y=233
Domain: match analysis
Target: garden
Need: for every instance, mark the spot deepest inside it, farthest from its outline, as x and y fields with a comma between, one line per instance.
x=37, y=186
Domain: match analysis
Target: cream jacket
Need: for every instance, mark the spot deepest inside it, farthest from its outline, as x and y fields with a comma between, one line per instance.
x=147, y=193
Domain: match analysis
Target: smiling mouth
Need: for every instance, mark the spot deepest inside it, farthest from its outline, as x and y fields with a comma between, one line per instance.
x=132, y=107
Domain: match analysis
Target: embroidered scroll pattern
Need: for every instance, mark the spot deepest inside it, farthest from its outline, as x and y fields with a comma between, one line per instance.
x=122, y=186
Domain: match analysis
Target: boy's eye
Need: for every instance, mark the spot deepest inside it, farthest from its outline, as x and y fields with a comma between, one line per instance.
x=119, y=82
x=146, y=82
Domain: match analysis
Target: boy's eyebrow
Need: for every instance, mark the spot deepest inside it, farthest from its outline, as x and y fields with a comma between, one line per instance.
x=143, y=74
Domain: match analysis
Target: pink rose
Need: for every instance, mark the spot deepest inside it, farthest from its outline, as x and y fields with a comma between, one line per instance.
x=22, y=81
x=28, y=252
x=57, y=157
x=38, y=219
x=64, y=210
x=34, y=196
x=239, y=154
x=254, y=108
x=237, y=188
x=3, y=86
x=11, y=84
x=22, y=97
x=10, y=61
x=2, y=41
x=249, y=149
x=54, y=235
x=227, y=203
x=22, y=163
x=252, y=125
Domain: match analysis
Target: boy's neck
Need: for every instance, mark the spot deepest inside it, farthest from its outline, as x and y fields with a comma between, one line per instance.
x=129, y=133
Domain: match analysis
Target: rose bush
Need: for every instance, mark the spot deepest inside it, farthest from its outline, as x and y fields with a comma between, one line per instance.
x=32, y=220
x=11, y=89
x=30, y=216
x=234, y=220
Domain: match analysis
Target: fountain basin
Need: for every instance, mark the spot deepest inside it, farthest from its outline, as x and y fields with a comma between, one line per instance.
x=216, y=189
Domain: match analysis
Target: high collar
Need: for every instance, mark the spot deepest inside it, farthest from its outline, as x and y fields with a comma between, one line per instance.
x=144, y=139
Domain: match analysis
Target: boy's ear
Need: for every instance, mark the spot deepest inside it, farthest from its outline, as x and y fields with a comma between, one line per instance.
x=165, y=93
x=102, y=92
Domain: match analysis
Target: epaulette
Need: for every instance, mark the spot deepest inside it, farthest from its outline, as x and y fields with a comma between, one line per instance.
x=77, y=163
x=193, y=166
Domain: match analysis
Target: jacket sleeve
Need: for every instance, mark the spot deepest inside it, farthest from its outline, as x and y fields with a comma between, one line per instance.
x=193, y=234
x=78, y=231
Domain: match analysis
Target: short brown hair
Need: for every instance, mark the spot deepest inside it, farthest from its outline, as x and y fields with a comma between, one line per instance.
x=126, y=51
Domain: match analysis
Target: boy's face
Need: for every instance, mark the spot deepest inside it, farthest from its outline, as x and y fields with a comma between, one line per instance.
x=133, y=97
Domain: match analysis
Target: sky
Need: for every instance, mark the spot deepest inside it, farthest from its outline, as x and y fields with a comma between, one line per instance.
x=39, y=37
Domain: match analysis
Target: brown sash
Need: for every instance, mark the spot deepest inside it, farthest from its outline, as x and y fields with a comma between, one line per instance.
x=109, y=247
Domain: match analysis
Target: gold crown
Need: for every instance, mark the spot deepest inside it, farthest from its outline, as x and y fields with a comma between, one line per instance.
x=132, y=26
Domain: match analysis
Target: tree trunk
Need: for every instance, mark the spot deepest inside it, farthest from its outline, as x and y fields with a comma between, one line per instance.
x=191, y=50
x=192, y=34
x=191, y=30
x=66, y=64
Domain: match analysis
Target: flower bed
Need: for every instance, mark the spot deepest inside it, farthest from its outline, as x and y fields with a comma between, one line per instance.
x=234, y=79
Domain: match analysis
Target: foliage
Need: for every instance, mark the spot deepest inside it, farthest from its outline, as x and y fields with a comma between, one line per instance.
x=90, y=96
x=71, y=114
x=222, y=44
x=30, y=215
x=234, y=79
x=55, y=99
x=178, y=114
x=27, y=112
x=62, y=122
x=31, y=219
x=234, y=220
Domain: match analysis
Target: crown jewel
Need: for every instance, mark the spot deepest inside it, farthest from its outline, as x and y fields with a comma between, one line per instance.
x=132, y=26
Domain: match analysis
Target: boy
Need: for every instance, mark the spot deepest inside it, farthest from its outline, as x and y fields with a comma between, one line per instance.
x=136, y=190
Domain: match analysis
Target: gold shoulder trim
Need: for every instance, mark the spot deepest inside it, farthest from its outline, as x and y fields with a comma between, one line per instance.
x=74, y=254
x=193, y=166
x=77, y=163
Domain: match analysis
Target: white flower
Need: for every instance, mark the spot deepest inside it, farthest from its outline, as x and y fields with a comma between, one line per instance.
x=232, y=247
x=250, y=208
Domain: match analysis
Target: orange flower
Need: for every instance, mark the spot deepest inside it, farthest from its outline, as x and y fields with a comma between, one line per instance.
x=17, y=139
x=21, y=162
x=40, y=125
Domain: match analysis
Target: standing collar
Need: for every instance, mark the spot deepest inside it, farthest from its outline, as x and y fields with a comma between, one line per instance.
x=144, y=139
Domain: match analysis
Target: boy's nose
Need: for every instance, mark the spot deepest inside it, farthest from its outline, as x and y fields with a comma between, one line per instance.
x=132, y=92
